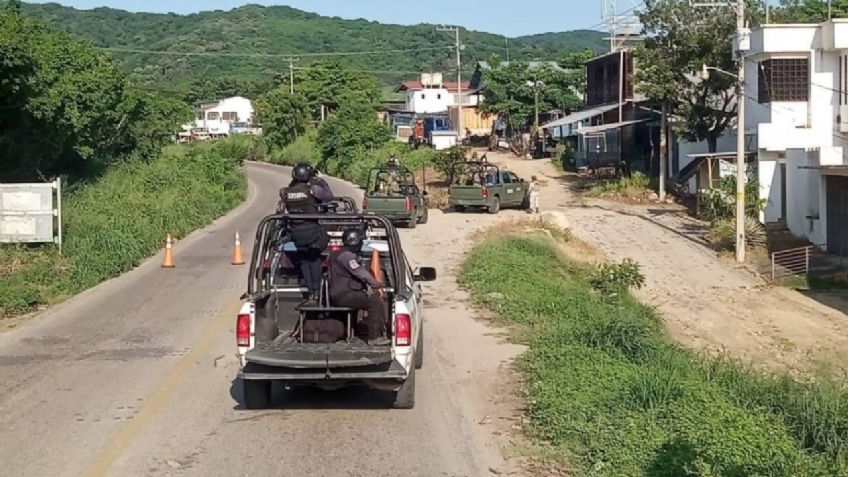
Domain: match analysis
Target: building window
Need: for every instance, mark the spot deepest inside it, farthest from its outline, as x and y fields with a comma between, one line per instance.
x=213, y=116
x=229, y=116
x=439, y=96
x=423, y=96
x=784, y=79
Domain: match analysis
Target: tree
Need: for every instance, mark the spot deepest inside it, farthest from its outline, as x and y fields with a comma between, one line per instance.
x=283, y=116
x=809, y=11
x=680, y=38
x=510, y=91
x=331, y=83
x=151, y=120
x=353, y=130
x=206, y=89
x=60, y=101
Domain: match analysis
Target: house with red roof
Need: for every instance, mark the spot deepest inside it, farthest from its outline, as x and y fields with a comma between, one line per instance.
x=431, y=94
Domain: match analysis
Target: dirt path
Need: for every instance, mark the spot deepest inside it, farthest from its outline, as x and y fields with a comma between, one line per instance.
x=706, y=302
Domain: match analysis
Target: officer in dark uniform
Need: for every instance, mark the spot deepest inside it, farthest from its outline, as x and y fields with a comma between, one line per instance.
x=304, y=198
x=348, y=280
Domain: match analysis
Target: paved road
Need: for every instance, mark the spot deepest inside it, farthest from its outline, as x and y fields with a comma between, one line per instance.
x=137, y=377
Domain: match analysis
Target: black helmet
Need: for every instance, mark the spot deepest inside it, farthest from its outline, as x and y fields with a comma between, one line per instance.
x=352, y=238
x=302, y=172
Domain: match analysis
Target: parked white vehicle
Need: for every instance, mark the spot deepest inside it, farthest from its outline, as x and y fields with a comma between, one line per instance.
x=269, y=336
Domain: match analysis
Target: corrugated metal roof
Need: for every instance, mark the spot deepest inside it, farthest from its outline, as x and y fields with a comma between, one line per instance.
x=607, y=127
x=580, y=116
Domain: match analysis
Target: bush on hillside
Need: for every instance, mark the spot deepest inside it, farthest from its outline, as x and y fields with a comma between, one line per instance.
x=606, y=386
x=112, y=225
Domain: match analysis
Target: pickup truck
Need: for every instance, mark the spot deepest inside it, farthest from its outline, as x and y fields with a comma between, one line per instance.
x=392, y=193
x=484, y=185
x=271, y=346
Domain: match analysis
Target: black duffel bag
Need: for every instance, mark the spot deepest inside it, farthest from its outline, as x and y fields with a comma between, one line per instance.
x=326, y=331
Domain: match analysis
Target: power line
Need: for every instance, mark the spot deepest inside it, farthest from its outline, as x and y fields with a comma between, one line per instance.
x=272, y=55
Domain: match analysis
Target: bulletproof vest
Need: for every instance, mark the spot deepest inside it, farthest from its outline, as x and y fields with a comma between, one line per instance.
x=341, y=278
x=299, y=199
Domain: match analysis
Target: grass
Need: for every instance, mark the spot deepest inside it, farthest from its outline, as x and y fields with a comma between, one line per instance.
x=608, y=388
x=113, y=224
x=636, y=186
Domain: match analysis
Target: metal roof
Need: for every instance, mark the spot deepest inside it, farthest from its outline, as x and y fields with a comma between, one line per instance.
x=580, y=116
x=607, y=127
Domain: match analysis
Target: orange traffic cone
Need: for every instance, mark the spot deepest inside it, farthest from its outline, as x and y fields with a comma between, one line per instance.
x=168, y=262
x=237, y=258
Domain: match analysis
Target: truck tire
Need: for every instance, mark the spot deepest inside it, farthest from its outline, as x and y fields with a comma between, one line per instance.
x=496, y=206
x=459, y=208
x=413, y=222
x=419, y=350
x=425, y=217
x=405, y=396
x=256, y=393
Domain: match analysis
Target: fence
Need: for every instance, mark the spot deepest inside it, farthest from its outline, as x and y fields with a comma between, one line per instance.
x=790, y=263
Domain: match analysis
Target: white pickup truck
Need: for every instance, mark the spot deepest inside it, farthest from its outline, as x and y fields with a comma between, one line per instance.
x=269, y=327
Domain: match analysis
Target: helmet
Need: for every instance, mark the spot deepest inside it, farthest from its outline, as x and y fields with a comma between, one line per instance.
x=302, y=172
x=352, y=238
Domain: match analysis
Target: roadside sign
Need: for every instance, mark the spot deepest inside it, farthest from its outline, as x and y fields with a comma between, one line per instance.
x=31, y=213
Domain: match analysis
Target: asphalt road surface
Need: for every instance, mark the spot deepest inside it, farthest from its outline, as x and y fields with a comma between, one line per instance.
x=137, y=377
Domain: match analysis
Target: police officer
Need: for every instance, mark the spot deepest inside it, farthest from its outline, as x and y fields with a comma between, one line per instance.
x=348, y=280
x=305, y=198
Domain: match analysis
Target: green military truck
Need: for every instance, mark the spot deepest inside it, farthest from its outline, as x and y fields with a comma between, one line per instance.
x=483, y=185
x=393, y=194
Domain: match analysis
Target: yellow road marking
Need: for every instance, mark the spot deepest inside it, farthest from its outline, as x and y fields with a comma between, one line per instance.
x=118, y=443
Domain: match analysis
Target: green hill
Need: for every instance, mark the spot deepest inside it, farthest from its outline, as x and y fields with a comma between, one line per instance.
x=248, y=42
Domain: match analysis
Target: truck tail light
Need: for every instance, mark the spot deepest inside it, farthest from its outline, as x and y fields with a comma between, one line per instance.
x=364, y=203
x=243, y=330
x=485, y=192
x=408, y=204
x=403, y=330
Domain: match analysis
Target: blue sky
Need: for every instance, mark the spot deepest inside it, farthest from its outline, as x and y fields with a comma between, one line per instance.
x=505, y=17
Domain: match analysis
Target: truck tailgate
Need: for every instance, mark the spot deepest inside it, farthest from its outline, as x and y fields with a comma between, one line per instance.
x=467, y=194
x=287, y=352
x=387, y=206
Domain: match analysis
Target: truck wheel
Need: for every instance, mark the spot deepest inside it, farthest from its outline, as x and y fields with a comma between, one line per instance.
x=257, y=394
x=426, y=216
x=413, y=222
x=496, y=206
x=419, y=349
x=405, y=396
x=459, y=208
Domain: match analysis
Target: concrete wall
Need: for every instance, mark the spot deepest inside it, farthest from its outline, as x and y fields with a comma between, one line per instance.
x=428, y=101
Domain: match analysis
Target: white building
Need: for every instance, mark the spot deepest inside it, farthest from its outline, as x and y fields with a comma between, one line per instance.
x=218, y=117
x=797, y=112
x=431, y=94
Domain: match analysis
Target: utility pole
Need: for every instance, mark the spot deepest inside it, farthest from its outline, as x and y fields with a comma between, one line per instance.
x=741, y=170
x=291, y=61
x=741, y=47
x=458, y=80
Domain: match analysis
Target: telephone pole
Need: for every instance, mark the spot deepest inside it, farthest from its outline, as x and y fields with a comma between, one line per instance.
x=742, y=45
x=458, y=46
x=291, y=61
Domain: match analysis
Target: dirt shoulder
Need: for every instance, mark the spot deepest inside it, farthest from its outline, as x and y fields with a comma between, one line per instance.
x=706, y=302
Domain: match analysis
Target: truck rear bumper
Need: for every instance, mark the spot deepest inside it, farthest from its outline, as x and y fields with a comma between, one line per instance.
x=468, y=203
x=393, y=216
x=390, y=374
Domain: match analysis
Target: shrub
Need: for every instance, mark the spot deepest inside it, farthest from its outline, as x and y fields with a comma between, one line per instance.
x=113, y=224
x=606, y=386
x=634, y=185
x=616, y=277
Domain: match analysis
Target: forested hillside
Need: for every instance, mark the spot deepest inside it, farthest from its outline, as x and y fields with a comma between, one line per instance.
x=248, y=43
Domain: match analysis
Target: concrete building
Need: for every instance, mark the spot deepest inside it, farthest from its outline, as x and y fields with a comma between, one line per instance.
x=219, y=116
x=797, y=113
x=431, y=94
